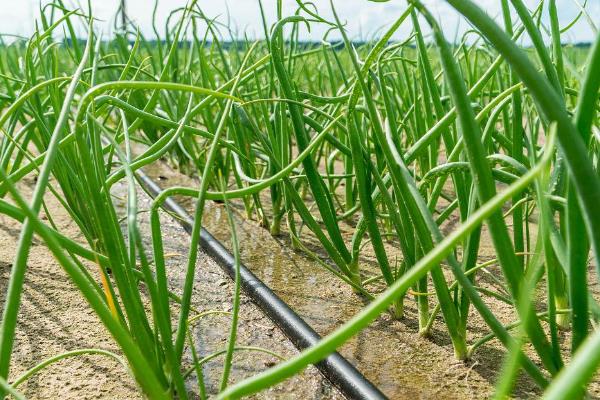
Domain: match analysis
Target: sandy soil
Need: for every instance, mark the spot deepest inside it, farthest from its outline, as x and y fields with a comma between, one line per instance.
x=54, y=318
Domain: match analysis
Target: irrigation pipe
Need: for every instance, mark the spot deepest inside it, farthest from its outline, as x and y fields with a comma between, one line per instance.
x=339, y=371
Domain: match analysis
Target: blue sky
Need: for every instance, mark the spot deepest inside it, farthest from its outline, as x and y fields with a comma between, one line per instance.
x=363, y=17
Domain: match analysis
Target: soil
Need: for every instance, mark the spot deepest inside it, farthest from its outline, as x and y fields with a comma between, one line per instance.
x=389, y=352
x=54, y=318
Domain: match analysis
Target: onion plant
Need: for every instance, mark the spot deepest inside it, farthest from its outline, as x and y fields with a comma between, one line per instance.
x=340, y=148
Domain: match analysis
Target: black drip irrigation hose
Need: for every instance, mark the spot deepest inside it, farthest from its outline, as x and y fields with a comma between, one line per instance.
x=343, y=375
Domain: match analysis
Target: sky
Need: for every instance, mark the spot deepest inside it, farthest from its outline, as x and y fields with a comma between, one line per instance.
x=364, y=18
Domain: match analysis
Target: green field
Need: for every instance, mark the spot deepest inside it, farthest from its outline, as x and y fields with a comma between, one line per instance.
x=447, y=163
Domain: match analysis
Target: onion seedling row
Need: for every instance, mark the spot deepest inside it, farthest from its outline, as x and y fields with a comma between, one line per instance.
x=415, y=154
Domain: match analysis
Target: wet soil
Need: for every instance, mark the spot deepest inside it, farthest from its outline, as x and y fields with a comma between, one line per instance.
x=389, y=352
x=54, y=317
